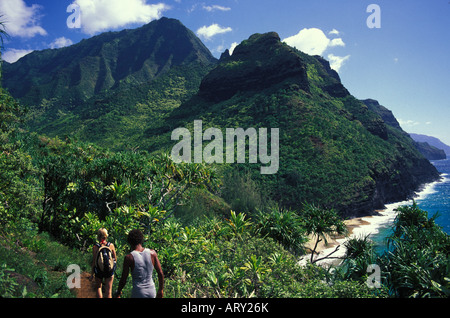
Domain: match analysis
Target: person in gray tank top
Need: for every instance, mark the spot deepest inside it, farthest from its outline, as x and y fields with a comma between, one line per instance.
x=141, y=262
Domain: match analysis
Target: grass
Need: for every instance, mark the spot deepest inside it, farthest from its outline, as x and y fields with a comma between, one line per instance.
x=34, y=265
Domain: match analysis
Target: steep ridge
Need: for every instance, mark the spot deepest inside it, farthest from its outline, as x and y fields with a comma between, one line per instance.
x=245, y=69
x=433, y=141
x=109, y=88
x=428, y=151
x=334, y=150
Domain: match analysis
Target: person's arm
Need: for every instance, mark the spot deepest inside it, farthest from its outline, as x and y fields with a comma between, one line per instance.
x=113, y=250
x=158, y=268
x=128, y=263
x=94, y=256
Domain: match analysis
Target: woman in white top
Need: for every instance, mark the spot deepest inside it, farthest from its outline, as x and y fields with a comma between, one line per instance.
x=141, y=262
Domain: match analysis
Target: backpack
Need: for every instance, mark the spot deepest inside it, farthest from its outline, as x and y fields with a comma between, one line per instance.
x=104, y=264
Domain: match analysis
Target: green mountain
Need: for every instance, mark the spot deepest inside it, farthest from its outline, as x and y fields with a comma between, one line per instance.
x=333, y=150
x=109, y=88
x=131, y=89
x=426, y=149
x=104, y=62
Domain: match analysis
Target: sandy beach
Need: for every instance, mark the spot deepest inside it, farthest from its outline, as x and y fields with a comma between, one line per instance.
x=355, y=226
x=334, y=240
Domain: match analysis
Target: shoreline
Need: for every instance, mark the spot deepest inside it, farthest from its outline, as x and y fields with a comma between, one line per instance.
x=363, y=226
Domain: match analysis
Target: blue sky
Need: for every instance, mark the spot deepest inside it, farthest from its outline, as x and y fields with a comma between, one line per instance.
x=404, y=64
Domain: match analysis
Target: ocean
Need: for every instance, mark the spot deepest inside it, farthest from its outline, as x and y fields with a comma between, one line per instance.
x=433, y=198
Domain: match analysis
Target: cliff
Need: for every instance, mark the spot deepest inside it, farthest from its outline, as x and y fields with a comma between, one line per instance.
x=335, y=150
x=256, y=64
x=432, y=141
x=428, y=151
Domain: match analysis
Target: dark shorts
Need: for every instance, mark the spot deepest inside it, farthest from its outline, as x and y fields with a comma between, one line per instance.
x=101, y=275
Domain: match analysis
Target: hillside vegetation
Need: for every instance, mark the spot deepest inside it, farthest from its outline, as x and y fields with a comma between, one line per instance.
x=70, y=165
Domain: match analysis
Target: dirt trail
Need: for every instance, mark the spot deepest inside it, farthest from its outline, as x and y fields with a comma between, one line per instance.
x=87, y=289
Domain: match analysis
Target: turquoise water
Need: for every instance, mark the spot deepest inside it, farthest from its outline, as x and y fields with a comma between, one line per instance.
x=439, y=199
x=433, y=198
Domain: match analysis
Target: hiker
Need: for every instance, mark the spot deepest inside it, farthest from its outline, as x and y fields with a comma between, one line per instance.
x=141, y=262
x=103, y=264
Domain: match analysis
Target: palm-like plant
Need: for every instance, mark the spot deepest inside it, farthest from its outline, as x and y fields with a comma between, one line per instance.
x=3, y=34
x=417, y=260
x=321, y=223
x=257, y=269
x=283, y=226
x=238, y=223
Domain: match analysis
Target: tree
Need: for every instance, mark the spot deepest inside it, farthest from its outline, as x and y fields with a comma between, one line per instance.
x=284, y=226
x=169, y=182
x=321, y=223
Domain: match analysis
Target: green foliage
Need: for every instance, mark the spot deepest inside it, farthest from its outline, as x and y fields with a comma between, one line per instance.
x=321, y=223
x=116, y=188
x=19, y=192
x=284, y=226
x=238, y=224
x=332, y=150
x=417, y=262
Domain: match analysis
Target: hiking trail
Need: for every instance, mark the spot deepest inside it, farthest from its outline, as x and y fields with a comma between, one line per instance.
x=87, y=288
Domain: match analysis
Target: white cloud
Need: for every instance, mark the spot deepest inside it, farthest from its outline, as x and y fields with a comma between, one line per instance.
x=13, y=55
x=60, y=42
x=408, y=123
x=21, y=20
x=233, y=46
x=336, y=62
x=336, y=42
x=333, y=32
x=313, y=41
x=102, y=15
x=208, y=32
x=215, y=8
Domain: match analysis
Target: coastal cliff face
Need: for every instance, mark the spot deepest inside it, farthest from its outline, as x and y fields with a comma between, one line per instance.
x=335, y=150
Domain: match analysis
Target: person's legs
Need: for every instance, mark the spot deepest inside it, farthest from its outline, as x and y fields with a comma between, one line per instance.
x=98, y=287
x=108, y=286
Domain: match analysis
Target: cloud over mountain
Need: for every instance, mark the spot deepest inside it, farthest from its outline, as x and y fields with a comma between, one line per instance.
x=314, y=41
x=101, y=15
x=207, y=32
x=21, y=20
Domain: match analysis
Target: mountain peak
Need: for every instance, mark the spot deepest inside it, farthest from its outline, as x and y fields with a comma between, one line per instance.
x=257, y=63
x=104, y=62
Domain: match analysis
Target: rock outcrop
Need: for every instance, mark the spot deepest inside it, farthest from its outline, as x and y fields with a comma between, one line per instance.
x=256, y=64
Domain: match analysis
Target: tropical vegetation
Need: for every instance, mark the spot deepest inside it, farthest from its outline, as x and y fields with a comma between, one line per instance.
x=216, y=233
